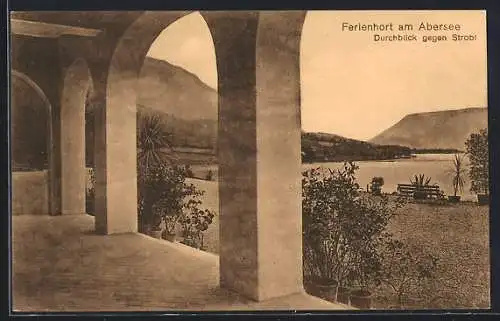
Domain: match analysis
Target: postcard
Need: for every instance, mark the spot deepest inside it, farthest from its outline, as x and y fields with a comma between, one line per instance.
x=249, y=160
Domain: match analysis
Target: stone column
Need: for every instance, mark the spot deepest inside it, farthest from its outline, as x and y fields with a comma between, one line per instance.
x=115, y=151
x=259, y=155
x=72, y=138
x=117, y=61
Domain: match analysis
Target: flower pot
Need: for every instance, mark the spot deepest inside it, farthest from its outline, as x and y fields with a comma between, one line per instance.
x=483, y=199
x=155, y=233
x=420, y=195
x=361, y=299
x=453, y=199
x=169, y=237
x=343, y=295
x=324, y=288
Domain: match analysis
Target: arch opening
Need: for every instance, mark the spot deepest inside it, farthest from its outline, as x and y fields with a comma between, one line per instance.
x=141, y=86
x=29, y=141
x=30, y=120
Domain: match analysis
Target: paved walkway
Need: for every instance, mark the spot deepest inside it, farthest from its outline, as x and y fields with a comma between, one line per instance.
x=59, y=264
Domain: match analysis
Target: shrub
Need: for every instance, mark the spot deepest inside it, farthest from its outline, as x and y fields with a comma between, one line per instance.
x=376, y=185
x=195, y=223
x=341, y=228
x=477, y=150
x=164, y=195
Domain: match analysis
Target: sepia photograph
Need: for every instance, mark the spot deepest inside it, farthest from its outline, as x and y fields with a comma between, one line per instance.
x=249, y=160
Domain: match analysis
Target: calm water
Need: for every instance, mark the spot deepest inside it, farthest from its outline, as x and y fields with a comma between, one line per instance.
x=436, y=166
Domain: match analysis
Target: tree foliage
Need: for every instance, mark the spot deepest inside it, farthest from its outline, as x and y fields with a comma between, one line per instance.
x=477, y=150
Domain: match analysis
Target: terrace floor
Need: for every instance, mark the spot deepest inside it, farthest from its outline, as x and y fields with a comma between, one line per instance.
x=60, y=265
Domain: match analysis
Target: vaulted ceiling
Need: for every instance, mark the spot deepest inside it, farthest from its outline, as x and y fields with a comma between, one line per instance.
x=52, y=24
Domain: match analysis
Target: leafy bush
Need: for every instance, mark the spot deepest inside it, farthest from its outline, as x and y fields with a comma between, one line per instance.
x=376, y=185
x=477, y=149
x=195, y=223
x=342, y=229
x=164, y=196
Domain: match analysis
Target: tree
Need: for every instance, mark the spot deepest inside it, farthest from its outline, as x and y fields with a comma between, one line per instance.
x=477, y=150
x=458, y=172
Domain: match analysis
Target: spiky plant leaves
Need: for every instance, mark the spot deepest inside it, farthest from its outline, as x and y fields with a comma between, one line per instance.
x=154, y=144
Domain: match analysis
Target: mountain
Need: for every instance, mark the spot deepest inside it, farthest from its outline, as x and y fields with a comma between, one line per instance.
x=195, y=133
x=446, y=129
x=175, y=91
x=188, y=108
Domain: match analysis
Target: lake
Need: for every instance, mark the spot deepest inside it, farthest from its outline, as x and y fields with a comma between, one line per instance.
x=394, y=172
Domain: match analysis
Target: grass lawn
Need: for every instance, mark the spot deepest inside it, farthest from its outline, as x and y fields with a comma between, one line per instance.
x=457, y=234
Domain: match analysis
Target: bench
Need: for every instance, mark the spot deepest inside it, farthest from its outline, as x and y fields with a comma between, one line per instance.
x=432, y=191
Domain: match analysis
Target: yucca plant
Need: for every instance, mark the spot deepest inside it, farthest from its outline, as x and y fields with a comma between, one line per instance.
x=420, y=181
x=458, y=172
x=153, y=155
x=154, y=144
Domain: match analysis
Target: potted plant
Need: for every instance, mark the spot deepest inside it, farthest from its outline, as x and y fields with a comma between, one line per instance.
x=155, y=230
x=361, y=298
x=365, y=273
x=154, y=220
x=154, y=154
x=195, y=223
x=339, y=223
x=477, y=150
x=420, y=182
x=344, y=291
x=326, y=204
x=171, y=219
x=458, y=171
x=376, y=185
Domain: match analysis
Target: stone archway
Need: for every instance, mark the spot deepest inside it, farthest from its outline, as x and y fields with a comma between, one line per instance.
x=259, y=156
x=30, y=188
x=115, y=126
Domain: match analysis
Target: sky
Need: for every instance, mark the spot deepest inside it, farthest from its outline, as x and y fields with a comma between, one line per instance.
x=352, y=85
